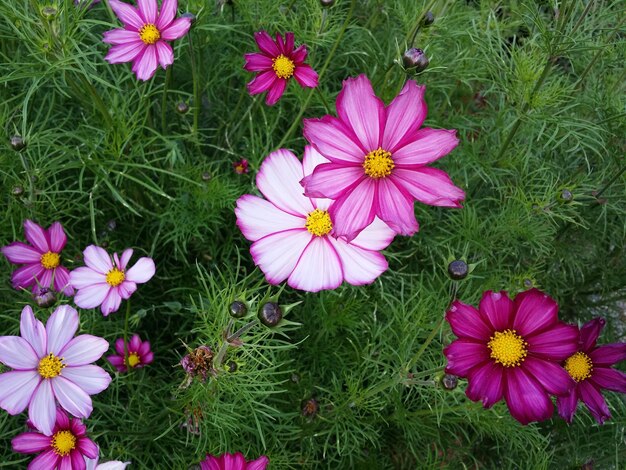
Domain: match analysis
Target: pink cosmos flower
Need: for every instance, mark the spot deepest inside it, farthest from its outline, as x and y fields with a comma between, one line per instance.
x=378, y=157
x=50, y=365
x=512, y=349
x=42, y=260
x=233, y=462
x=292, y=233
x=144, y=38
x=276, y=64
x=591, y=369
x=66, y=447
x=241, y=166
x=104, y=282
x=92, y=464
x=139, y=354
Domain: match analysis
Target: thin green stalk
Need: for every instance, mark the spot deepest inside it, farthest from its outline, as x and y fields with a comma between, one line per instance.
x=430, y=338
x=97, y=100
x=321, y=95
x=168, y=77
x=196, y=86
x=599, y=53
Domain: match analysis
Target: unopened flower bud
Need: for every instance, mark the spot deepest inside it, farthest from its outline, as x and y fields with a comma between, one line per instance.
x=428, y=19
x=232, y=366
x=17, y=143
x=327, y=3
x=458, y=270
x=566, y=196
x=449, y=381
x=44, y=297
x=270, y=314
x=415, y=60
x=17, y=191
x=182, y=107
x=49, y=12
x=238, y=309
x=206, y=176
x=310, y=408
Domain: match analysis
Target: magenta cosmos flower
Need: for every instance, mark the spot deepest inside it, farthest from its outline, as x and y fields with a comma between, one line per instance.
x=138, y=354
x=233, y=462
x=50, y=365
x=66, y=447
x=378, y=157
x=105, y=282
x=276, y=64
x=292, y=233
x=512, y=349
x=41, y=259
x=591, y=369
x=144, y=38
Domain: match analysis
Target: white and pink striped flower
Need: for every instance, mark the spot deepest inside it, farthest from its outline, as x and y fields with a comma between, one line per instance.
x=105, y=282
x=293, y=234
x=144, y=38
x=49, y=366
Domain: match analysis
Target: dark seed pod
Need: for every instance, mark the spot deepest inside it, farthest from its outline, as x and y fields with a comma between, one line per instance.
x=206, y=176
x=44, y=297
x=17, y=143
x=111, y=225
x=238, y=309
x=429, y=18
x=566, y=196
x=17, y=191
x=270, y=314
x=310, y=408
x=415, y=60
x=295, y=378
x=327, y=3
x=458, y=269
x=232, y=366
x=528, y=283
x=449, y=381
x=182, y=107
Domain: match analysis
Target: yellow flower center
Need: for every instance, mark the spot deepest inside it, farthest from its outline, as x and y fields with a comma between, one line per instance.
x=149, y=34
x=283, y=66
x=133, y=359
x=579, y=366
x=378, y=163
x=50, y=260
x=63, y=442
x=50, y=366
x=115, y=277
x=508, y=348
x=318, y=223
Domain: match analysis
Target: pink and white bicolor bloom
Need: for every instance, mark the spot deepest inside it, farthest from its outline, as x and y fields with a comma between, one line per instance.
x=49, y=366
x=235, y=461
x=378, y=156
x=41, y=259
x=144, y=40
x=136, y=355
x=92, y=464
x=293, y=236
x=105, y=282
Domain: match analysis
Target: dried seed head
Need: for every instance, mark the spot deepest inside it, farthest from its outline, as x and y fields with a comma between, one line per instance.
x=310, y=408
x=458, y=270
x=415, y=60
x=199, y=362
x=238, y=309
x=270, y=314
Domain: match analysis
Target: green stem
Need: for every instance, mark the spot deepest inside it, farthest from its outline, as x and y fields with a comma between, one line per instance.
x=321, y=95
x=431, y=336
x=196, y=86
x=97, y=100
x=168, y=77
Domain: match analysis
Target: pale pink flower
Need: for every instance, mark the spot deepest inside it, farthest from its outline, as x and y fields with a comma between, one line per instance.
x=105, y=282
x=144, y=38
x=233, y=462
x=378, y=157
x=50, y=366
x=293, y=236
x=41, y=259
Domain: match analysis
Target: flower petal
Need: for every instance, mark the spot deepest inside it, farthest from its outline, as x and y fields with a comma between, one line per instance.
x=16, y=390
x=467, y=322
x=17, y=353
x=76, y=461
x=306, y=76
x=165, y=54
x=555, y=344
x=376, y=236
x=120, y=36
x=299, y=54
x=262, y=82
x=276, y=91
x=463, y=355
x=42, y=410
x=395, y=208
x=126, y=289
x=405, y=115
x=57, y=237
x=594, y=400
x=25, y=276
x=84, y=277
x=61, y=328
x=92, y=379
x=21, y=253
x=111, y=302
x=334, y=140
x=146, y=64
x=318, y=268
x=167, y=14
x=256, y=62
x=360, y=109
x=71, y=397
x=359, y=266
x=498, y=309
x=535, y=312
x=257, y=218
x=277, y=254
x=552, y=377
x=120, y=347
x=33, y=331
x=142, y=271
x=608, y=354
x=526, y=399
x=589, y=333
x=332, y=180
x=279, y=181
x=610, y=379
x=114, y=465
x=125, y=52
x=91, y=296
x=259, y=464
x=429, y=145
x=148, y=9
x=176, y=29
x=486, y=384
x=46, y=460
x=566, y=405
x=97, y=259
x=127, y=14
x=88, y=448
x=36, y=236
x=266, y=44
x=62, y=281
x=83, y=350
x=430, y=186
x=355, y=210
x=30, y=443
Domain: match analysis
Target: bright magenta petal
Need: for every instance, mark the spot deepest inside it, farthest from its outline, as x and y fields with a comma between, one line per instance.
x=589, y=333
x=266, y=44
x=306, y=76
x=498, y=309
x=486, y=384
x=262, y=82
x=256, y=62
x=463, y=355
x=30, y=443
x=26, y=275
x=331, y=180
x=594, y=401
x=608, y=354
x=354, y=211
x=555, y=344
x=405, y=114
x=467, y=322
x=535, y=312
x=36, y=236
x=334, y=140
x=427, y=146
x=148, y=9
x=526, y=399
x=566, y=405
x=21, y=253
x=395, y=208
x=430, y=186
x=127, y=14
x=276, y=91
x=176, y=29
x=120, y=36
x=610, y=379
x=550, y=375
